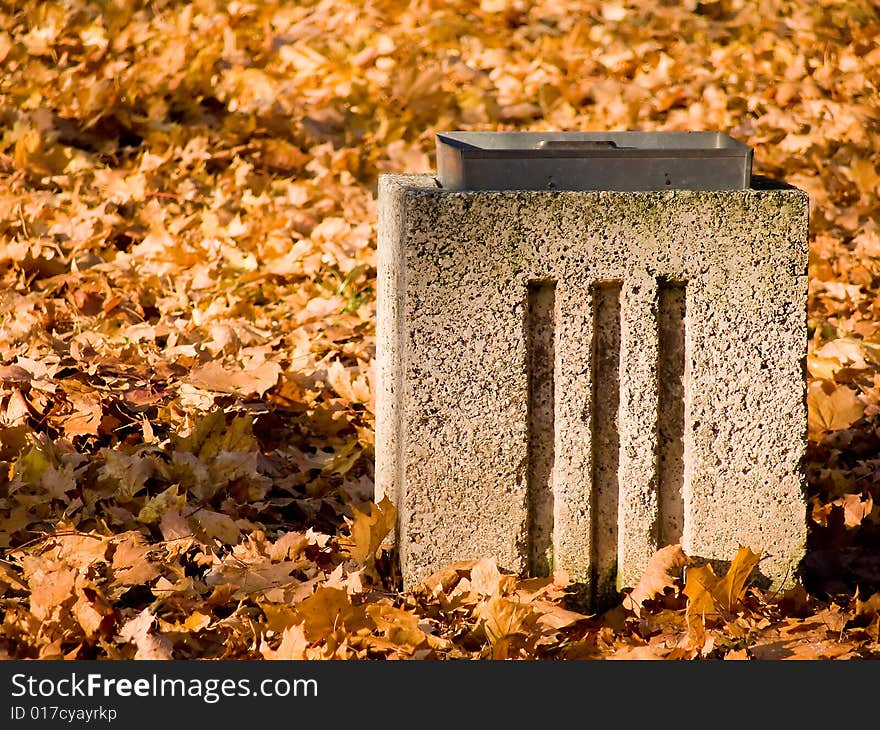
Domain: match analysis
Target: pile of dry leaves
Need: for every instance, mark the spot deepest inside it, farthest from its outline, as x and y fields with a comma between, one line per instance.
x=187, y=254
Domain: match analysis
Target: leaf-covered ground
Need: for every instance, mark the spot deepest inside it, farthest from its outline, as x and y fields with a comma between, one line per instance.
x=187, y=253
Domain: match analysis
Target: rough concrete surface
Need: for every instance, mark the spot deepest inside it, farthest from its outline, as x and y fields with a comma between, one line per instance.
x=574, y=379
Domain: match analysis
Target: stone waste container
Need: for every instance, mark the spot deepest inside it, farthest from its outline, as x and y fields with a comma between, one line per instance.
x=590, y=346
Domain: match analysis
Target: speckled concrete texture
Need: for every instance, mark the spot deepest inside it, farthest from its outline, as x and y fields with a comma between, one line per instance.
x=676, y=322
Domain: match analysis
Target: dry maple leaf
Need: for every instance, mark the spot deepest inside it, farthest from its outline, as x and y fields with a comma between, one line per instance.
x=709, y=596
x=369, y=530
x=856, y=507
x=222, y=230
x=502, y=619
x=52, y=588
x=663, y=571
x=131, y=565
x=294, y=645
x=398, y=626
x=644, y=652
x=217, y=525
x=324, y=612
x=138, y=631
x=831, y=407
x=487, y=580
x=257, y=379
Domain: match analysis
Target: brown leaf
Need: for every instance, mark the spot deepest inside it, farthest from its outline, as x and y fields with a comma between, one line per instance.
x=445, y=579
x=398, y=626
x=736, y=655
x=869, y=608
x=281, y=155
x=80, y=550
x=288, y=546
x=487, y=580
x=663, y=571
x=856, y=507
x=92, y=613
x=503, y=617
x=293, y=645
x=86, y=415
x=553, y=616
x=641, y=653
x=10, y=579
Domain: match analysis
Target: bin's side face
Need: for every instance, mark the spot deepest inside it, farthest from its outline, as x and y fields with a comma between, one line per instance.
x=572, y=379
x=625, y=161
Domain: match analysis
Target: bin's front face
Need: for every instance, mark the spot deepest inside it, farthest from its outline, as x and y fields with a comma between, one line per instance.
x=592, y=161
x=572, y=379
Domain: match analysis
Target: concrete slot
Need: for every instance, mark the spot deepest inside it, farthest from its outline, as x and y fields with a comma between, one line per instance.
x=606, y=435
x=672, y=382
x=541, y=349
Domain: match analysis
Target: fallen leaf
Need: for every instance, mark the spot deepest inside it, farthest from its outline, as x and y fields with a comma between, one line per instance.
x=369, y=530
x=214, y=376
x=831, y=407
x=323, y=612
x=218, y=525
x=663, y=571
x=138, y=631
x=708, y=595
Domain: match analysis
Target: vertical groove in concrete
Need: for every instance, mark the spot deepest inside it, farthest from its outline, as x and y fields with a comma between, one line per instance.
x=671, y=326
x=606, y=436
x=541, y=346
x=639, y=503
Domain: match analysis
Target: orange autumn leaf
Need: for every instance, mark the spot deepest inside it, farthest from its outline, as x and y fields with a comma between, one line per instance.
x=368, y=531
x=663, y=571
x=710, y=596
x=831, y=407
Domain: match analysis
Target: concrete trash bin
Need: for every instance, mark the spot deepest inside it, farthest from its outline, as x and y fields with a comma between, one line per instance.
x=572, y=378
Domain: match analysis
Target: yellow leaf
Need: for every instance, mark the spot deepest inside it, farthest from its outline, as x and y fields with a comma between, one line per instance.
x=323, y=612
x=731, y=588
x=708, y=595
x=700, y=590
